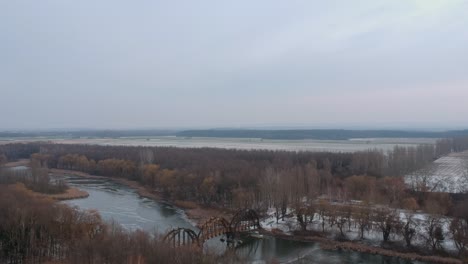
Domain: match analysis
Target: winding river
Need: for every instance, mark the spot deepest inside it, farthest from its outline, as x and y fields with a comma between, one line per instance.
x=123, y=205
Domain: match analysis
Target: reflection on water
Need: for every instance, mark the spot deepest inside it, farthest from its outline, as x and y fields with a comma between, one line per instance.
x=270, y=248
x=122, y=204
x=19, y=168
x=125, y=206
x=275, y=250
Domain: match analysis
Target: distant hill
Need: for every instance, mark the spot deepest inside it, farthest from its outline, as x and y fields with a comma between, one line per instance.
x=320, y=134
x=91, y=133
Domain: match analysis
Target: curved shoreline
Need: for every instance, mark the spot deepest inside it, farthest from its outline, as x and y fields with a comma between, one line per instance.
x=140, y=189
x=69, y=194
x=197, y=213
x=329, y=244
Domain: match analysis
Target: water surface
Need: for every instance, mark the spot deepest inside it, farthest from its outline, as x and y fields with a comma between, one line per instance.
x=123, y=205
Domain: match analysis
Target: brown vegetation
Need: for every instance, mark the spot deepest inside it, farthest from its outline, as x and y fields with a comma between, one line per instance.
x=34, y=230
x=260, y=179
x=10, y=164
x=69, y=194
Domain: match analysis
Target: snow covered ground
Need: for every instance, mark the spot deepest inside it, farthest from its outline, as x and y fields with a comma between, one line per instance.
x=447, y=174
x=352, y=145
x=287, y=226
x=373, y=236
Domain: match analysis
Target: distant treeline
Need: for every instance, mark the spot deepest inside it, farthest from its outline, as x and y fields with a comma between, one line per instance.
x=321, y=134
x=89, y=133
x=248, y=178
x=241, y=178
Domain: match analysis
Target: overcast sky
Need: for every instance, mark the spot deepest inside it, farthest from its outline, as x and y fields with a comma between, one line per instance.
x=159, y=64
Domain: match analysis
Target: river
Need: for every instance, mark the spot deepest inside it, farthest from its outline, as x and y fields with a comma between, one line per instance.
x=123, y=205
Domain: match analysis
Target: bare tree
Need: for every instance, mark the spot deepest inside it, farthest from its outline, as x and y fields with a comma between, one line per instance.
x=323, y=210
x=3, y=159
x=420, y=180
x=434, y=232
x=408, y=228
x=459, y=231
x=146, y=156
x=305, y=215
x=386, y=220
x=340, y=218
x=362, y=217
x=464, y=178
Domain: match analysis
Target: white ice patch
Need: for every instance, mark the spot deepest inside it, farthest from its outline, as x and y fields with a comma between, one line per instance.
x=447, y=174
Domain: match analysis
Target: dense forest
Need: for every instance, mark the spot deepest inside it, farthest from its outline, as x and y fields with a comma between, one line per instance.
x=310, y=183
x=230, y=178
x=36, y=230
x=250, y=178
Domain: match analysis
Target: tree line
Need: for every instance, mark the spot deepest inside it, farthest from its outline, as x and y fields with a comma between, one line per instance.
x=36, y=179
x=263, y=179
x=404, y=224
x=34, y=230
x=448, y=145
x=253, y=178
x=228, y=177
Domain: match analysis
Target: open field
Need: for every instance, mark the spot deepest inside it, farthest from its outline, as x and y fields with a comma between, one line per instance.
x=446, y=174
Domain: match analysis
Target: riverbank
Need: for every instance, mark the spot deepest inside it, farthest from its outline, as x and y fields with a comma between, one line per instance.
x=199, y=214
x=329, y=244
x=21, y=162
x=69, y=194
x=140, y=189
x=194, y=212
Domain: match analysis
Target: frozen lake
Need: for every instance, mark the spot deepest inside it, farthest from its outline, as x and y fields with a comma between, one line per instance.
x=352, y=145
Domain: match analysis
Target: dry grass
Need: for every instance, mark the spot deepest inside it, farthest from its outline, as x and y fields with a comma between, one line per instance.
x=21, y=162
x=185, y=204
x=71, y=193
x=70, y=172
x=201, y=214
